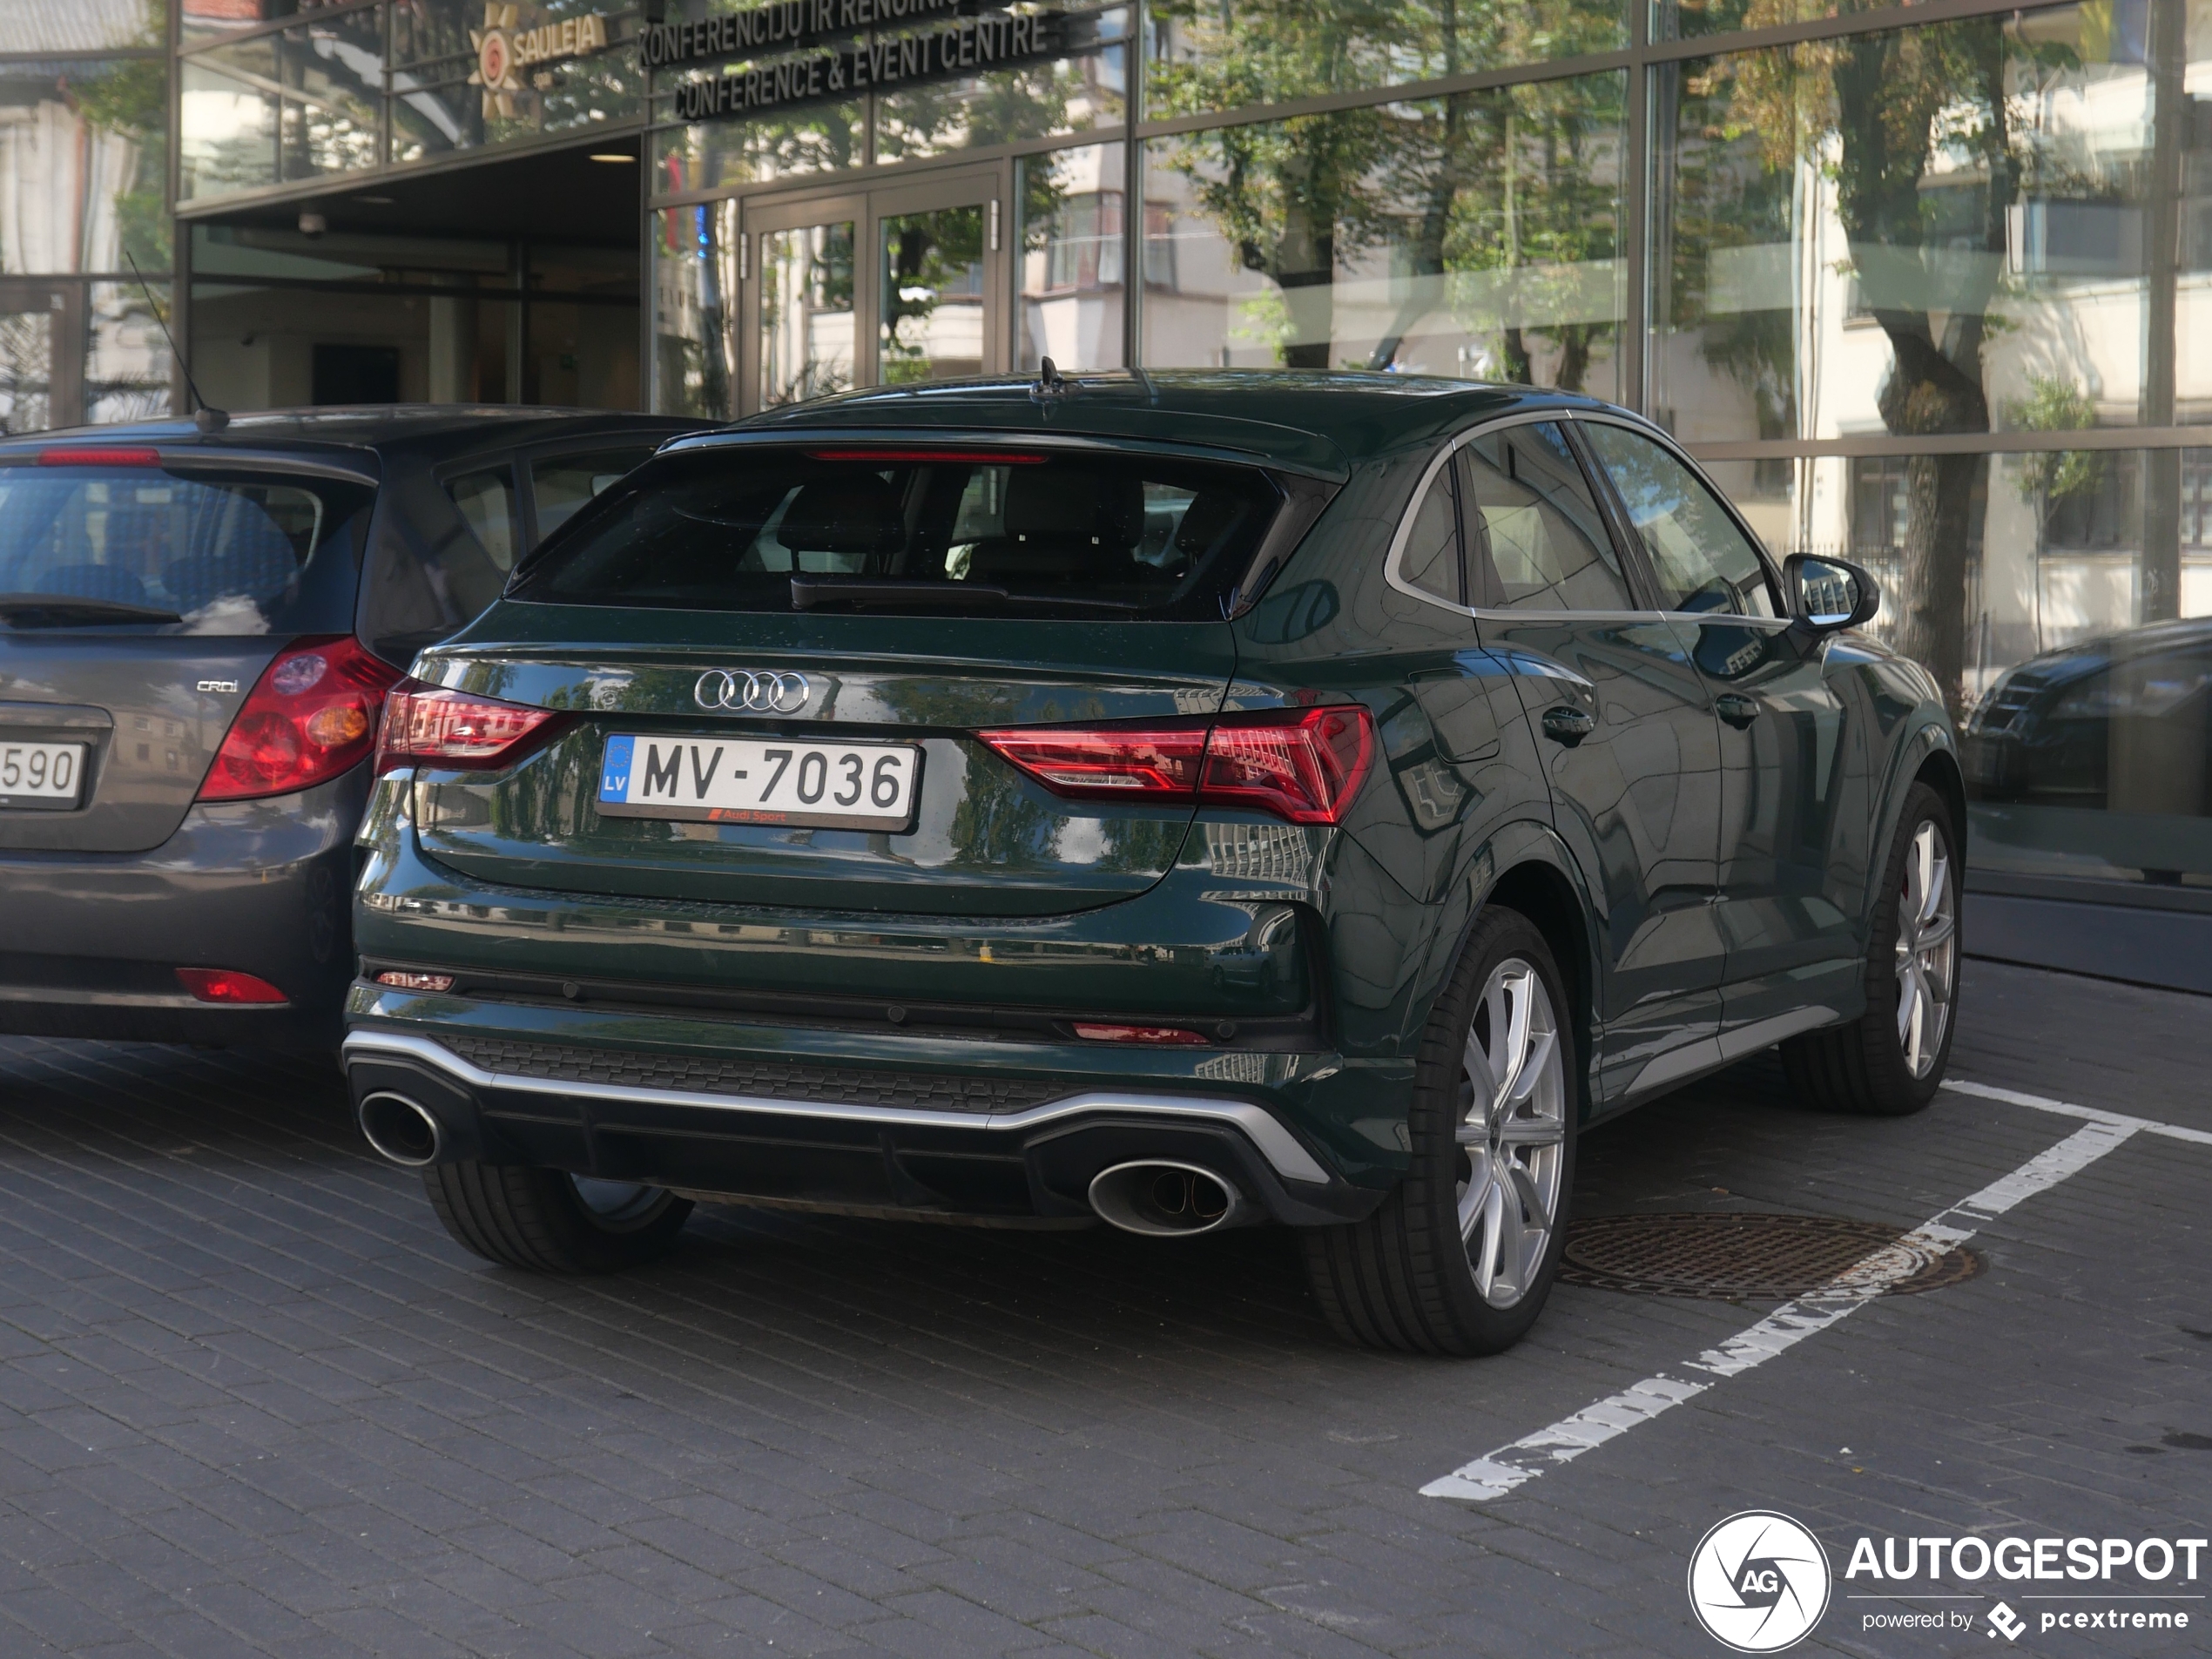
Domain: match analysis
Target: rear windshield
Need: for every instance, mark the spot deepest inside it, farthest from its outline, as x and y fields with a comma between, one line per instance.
x=1078, y=535
x=134, y=546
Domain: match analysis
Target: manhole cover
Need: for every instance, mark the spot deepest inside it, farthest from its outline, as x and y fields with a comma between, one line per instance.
x=1751, y=1256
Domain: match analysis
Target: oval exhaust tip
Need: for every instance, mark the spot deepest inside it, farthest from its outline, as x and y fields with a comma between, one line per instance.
x=1155, y=1199
x=401, y=1130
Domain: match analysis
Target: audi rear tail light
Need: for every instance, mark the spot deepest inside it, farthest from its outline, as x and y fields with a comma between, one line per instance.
x=1301, y=764
x=228, y=985
x=1106, y=763
x=1306, y=769
x=311, y=716
x=428, y=725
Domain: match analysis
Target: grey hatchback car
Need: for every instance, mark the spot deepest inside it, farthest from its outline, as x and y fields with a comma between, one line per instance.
x=197, y=630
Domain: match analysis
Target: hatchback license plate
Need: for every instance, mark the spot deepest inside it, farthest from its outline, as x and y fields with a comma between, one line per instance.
x=764, y=780
x=41, y=774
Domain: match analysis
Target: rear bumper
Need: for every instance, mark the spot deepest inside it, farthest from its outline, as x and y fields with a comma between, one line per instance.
x=1017, y=1153
x=92, y=941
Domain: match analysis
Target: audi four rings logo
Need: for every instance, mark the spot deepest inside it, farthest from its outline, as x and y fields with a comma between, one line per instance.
x=759, y=693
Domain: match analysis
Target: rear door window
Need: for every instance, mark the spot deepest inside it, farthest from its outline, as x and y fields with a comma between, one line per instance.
x=128, y=546
x=559, y=484
x=1534, y=539
x=1078, y=535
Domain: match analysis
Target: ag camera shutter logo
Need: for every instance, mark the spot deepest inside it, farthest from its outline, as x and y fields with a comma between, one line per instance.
x=1759, y=1581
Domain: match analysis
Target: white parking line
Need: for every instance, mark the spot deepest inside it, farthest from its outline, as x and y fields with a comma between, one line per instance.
x=2092, y=1114
x=1549, y=1448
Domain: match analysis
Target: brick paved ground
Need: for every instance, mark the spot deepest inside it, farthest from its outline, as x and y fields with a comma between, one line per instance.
x=252, y=1400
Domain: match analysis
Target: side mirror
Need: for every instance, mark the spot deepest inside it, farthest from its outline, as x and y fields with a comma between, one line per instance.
x=1830, y=595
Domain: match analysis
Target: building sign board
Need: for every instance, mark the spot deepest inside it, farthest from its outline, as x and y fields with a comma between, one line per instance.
x=789, y=25
x=505, y=53
x=955, y=49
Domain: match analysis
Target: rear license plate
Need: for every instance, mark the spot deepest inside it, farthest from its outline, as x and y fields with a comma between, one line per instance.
x=764, y=780
x=41, y=775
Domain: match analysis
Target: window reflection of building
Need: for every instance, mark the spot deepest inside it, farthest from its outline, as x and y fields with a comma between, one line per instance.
x=1878, y=275
x=1084, y=244
x=82, y=159
x=1070, y=293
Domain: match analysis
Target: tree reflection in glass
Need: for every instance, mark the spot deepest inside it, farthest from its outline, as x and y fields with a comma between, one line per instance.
x=808, y=341
x=1475, y=235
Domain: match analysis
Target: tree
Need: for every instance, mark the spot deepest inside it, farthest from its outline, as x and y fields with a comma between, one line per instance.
x=1505, y=180
x=1916, y=131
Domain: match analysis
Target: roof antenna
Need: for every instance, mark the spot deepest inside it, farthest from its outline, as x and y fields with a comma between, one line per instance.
x=207, y=417
x=1050, y=381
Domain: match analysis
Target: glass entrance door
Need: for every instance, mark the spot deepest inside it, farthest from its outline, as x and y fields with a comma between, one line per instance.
x=894, y=287
x=930, y=276
x=806, y=300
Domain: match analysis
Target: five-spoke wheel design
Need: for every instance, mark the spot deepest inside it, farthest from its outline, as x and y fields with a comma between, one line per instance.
x=1927, y=949
x=1511, y=1126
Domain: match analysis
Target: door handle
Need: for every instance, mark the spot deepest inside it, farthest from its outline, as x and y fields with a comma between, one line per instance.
x=1568, y=725
x=1736, y=709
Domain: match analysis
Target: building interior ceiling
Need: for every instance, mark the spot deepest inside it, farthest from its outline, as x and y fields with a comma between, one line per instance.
x=555, y=195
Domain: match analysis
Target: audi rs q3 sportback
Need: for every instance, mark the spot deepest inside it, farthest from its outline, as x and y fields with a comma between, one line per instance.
x=198, y=621
x=1181, y=800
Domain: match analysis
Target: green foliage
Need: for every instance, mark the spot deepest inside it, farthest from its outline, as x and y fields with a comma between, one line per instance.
x=926, y=256
x=2052, y=475
x=1227, y=54
x=130, y=100
x=1493, y=208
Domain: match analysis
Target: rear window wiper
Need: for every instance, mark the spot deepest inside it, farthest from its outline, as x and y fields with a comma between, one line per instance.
x=59, y=610
x=810, y=592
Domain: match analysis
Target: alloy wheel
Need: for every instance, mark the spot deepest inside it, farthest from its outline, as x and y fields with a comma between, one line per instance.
x=1511, y=1132
x=1927, y=949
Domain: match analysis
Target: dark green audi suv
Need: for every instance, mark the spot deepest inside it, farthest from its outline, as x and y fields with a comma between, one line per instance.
x=1179, y=800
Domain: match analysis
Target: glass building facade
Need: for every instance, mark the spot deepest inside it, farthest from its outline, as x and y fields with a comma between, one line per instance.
x=1927, y=285
x=84, y=197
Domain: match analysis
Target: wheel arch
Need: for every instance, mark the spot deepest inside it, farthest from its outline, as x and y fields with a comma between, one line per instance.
x=1524, y=868
x=1940, y=772
x=1928, y=754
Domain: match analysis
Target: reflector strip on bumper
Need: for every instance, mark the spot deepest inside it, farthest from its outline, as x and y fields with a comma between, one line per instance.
x=1277, y=1144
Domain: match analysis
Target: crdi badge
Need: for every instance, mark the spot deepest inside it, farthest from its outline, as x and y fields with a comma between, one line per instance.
x=1759, y=1581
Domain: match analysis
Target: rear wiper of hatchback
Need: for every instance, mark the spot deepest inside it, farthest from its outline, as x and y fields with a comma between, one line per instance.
x=810, y=592
x=59, y=610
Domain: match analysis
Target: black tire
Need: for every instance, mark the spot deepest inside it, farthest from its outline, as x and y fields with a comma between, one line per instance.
x=1863, y=1067
x=538, y=1220
x=1406, y=1277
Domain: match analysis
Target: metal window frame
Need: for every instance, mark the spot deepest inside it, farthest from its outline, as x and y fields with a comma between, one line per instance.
x=1640, y=58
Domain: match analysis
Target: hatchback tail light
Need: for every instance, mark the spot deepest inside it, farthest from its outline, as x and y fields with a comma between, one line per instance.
x=428, y=725
x=311, y=716
x=1302, y=764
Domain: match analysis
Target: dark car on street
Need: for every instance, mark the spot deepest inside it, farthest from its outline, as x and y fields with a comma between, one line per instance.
x=1175, y=800
x=198, y=623
x=2048, y=732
